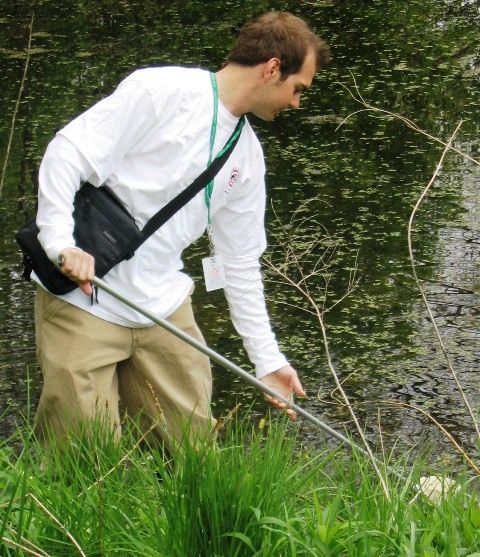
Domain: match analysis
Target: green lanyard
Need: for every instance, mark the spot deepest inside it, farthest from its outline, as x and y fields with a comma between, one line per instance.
x=213, y=132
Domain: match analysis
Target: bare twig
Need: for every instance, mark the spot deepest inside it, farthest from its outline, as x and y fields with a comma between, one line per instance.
x=419, y=286
x=221, y=422
x=409, y=406
x=303, y=289
x=125, y=457
x=15, y=112
x=442, y=428
x=58, y=523
x=23, y=548
x=295, y=262
x=302, y=286
x=357, y=97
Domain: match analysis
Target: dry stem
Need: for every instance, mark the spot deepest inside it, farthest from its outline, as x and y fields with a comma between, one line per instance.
x=447, y=147
x=15, y=112
x=122, y=460
x=301, y=285
x=58, y=523
x=419, y=286
x=357, y=97
x=24, y=548
x=410, y=406
x=295, y=258
x=442, y=428
x=303, y=289
x=221, y=422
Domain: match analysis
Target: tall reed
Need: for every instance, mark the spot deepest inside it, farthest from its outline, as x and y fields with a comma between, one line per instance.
x=254, y=493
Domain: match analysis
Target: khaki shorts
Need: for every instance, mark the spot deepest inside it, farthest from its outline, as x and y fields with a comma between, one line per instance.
x=89, y=364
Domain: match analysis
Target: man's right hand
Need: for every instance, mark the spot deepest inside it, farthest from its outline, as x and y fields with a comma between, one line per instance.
x=79, y=266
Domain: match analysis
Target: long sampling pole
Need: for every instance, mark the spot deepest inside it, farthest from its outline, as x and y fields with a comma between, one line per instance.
x=227, y=364
x=249, y=378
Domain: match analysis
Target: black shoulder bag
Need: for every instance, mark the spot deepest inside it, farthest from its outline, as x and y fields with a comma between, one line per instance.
x=105, y=229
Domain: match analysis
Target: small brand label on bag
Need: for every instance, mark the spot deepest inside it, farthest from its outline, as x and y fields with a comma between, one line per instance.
x=213, y=272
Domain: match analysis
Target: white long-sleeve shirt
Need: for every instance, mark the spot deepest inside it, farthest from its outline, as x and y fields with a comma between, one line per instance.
x=147, y=141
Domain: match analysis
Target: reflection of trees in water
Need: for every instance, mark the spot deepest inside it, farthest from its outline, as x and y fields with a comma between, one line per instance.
x=455, y=292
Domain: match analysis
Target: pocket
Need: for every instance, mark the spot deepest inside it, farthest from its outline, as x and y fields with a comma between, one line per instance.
x=183, y=317
x=46, y=305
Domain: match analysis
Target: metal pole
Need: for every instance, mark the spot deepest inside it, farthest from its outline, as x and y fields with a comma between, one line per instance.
x=227, y=364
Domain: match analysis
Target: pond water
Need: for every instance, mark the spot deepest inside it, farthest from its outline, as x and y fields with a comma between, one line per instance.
x=349, y=184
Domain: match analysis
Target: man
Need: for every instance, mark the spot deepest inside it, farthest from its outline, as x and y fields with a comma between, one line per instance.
x=148, y=141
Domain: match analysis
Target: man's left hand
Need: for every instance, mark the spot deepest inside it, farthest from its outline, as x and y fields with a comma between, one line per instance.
x=285, y=382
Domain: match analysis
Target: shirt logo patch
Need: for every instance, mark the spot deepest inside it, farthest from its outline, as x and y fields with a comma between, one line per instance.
x=234, y=176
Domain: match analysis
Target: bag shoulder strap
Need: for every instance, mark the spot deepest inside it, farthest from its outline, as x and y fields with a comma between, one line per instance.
x=167, y=211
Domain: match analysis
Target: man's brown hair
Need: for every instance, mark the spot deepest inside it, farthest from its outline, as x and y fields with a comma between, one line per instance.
x=279, y=35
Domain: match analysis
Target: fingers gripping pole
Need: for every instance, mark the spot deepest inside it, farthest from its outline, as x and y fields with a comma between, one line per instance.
x=227, y=364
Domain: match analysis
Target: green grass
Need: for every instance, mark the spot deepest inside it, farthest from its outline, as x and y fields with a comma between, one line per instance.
x=255, y=493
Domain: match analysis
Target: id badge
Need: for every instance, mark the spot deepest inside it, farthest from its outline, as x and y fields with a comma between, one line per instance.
x=213, y=272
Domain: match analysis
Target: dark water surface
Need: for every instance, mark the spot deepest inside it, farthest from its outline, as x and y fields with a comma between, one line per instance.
x=357, y=183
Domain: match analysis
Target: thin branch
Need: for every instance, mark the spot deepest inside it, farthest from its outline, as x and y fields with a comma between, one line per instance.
x=15, y=112
x=298, y=260
x=122, y=460
x=409, y=406
x=221, y=422
x=300, y=308
x=31, y=545
x=442, y=428
x=357, y=97
x=338, y=383
x=23, y=548
x=58, y=523
x=419, y=286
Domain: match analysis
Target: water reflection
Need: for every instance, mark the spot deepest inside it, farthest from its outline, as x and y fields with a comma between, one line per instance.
x=419, y=59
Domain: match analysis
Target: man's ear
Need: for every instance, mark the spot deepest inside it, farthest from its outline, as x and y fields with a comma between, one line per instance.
x=271, y=69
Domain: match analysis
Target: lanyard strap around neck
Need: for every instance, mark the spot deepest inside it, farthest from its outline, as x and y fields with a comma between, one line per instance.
x=213, y=132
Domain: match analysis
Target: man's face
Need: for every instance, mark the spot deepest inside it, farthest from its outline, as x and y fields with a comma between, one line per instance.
x=278, y=94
